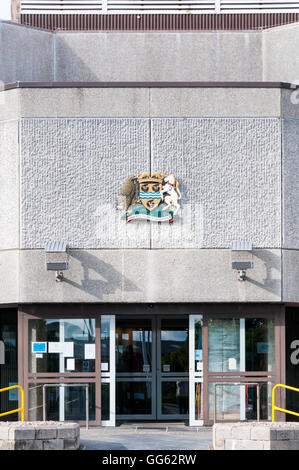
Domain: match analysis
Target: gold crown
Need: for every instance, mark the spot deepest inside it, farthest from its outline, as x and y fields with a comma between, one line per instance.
x=147, y=178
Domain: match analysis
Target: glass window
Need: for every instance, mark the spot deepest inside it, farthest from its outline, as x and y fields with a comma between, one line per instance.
x=239, y=402
x=62, y=403
x=105, y=344
x=175, y=397
x=133, y=398
x=259, y=344
x=9, y=370
x=133, y=345
x=62, y=345
x=241, y=344
x=174, y=345
x=105, y=400
x=224, y=344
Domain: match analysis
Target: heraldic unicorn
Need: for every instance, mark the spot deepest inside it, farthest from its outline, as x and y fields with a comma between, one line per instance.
x=150, y=197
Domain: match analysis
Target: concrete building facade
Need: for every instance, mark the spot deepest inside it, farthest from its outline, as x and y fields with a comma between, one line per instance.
x=150, y=315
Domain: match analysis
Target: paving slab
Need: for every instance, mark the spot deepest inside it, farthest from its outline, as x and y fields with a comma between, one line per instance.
x=146, y=438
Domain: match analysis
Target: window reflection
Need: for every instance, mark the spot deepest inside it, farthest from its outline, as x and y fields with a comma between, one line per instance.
x=133, y=345
x=70, y=345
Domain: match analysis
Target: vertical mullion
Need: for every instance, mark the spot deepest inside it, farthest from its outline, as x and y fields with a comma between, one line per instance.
x=112, y=371
x=242, y=368
x=98, y=370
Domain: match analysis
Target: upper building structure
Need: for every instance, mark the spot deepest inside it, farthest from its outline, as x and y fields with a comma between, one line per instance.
x=143, y=15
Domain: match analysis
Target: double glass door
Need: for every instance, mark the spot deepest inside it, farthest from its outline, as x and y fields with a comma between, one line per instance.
x=152, y=368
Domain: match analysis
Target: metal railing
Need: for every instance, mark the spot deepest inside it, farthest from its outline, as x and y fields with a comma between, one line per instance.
x=67, y=385
x=17, y=410
x=282, y=409
x=244, y=384
x=157, y=6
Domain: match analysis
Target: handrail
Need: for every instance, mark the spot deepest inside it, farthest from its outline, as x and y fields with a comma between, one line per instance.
x=257, y=384
x=22, y=402
x=282, y=409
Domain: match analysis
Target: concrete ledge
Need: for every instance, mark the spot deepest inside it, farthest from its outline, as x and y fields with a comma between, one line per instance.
x=39, y=435
x=256, y=436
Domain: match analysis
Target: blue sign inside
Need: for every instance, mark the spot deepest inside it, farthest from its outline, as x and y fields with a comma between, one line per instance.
x=39, y=347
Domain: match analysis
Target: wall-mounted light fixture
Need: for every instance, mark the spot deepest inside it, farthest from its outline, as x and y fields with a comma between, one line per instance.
x=241, y=258
x=57, y=258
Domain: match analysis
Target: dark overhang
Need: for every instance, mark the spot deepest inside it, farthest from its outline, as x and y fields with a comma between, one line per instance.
x=285, y=85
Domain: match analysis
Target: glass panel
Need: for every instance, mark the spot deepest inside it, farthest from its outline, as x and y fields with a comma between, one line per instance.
x=70, y=345
x=175, y=397
x=9, y=370
x=174, y=345
x=259, y=344
x=133, y=345
x=105, y=400
x=224, y=345
x=105, y=344
x=198, y=345
x=133, y=398
x=198, y=401
x=228, y=401
x=74, y=402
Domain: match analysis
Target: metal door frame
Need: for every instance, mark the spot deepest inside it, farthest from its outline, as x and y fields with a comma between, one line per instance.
x=194, y=376
x=109, y=377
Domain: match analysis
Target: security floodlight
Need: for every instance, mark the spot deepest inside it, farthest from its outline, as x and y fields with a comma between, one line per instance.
x=57, y=258
x=241, y=258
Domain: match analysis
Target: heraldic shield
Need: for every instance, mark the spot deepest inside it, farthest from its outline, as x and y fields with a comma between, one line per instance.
x=150, y=190
x=150, y=197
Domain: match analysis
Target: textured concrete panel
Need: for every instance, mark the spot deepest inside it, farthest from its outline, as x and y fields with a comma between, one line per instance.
x=26, y=54
x=9, y=185
x=150, y=276
x=71, y=174
x=158, y=56
x=290, y=189
x=230, y=179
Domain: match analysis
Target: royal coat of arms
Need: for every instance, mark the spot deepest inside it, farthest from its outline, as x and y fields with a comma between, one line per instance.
x=150, y=197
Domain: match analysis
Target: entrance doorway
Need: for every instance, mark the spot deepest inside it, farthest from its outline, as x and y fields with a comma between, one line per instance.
x=152, y=368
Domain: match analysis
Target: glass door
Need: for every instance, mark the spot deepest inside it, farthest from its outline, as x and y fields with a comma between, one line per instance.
x=172, y=369
x=195, y=370
x=135, y=346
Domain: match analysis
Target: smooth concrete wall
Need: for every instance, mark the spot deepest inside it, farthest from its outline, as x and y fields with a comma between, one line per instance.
x=150, y=276
x=26, y=54
x=158, y=56
x=280, y=54
x=9, y=185
x=29, y=54
x=141, y=102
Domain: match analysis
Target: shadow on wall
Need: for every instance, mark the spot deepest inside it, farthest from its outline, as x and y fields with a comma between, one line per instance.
x=113, y=280
x=272, y=262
